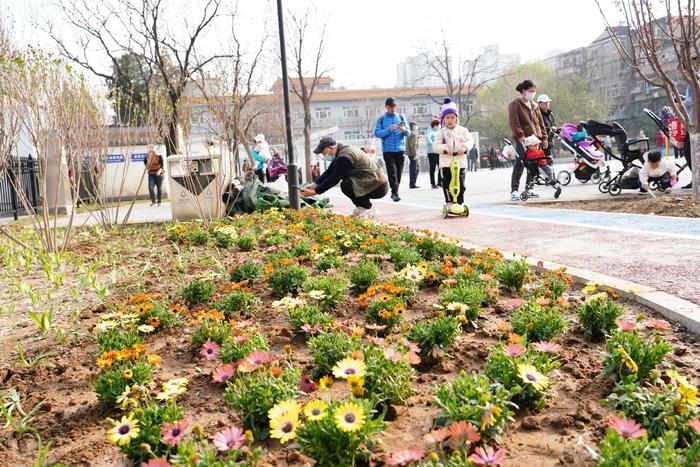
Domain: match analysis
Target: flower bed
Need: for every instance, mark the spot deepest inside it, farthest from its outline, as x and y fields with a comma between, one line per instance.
x=285, y=336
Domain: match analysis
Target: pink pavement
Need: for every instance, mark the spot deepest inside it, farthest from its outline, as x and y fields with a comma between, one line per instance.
x=670, y=265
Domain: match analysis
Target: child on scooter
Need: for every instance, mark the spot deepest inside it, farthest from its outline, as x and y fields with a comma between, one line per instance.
x=452, y=140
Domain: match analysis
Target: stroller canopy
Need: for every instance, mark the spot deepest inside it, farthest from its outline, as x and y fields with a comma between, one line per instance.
x=600, y=129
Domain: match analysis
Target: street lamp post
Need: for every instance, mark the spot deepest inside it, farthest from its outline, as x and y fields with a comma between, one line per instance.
x=292, y=172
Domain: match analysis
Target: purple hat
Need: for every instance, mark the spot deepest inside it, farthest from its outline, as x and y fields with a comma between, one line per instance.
x=448, y=107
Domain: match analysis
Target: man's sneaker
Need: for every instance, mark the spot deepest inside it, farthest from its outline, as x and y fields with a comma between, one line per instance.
x=414, y=187
x=358, y=212
x=667, y=190
x=515, y=196
x=369, y=213
x=532, y=194
x=395, y=197
x=688, y=186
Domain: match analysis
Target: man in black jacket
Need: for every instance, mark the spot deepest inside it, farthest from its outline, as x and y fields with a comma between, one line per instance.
x=545, y=103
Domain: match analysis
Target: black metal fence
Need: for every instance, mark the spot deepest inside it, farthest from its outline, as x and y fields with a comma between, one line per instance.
x=22, y=174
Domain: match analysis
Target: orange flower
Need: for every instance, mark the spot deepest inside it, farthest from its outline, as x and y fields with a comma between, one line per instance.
x=143, y=308
x=275, y=371
x=386, y=314
x=399, y=309
x=153, y=321
x=104, y=362
x=153, y=359
x=138, y=298
x=515, y=338
x=139, y=348
x=126, y=354
x=358, y=355
x=504, y=326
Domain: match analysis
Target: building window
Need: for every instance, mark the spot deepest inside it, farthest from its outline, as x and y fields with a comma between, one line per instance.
x=420, y=109
x=323, y=112
x=470, y=107
x=351, y=112
x=353, y=135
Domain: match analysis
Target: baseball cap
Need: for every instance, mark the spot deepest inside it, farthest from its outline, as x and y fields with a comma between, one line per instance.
x=325, y=142
x=543, y=98
x=390, y=101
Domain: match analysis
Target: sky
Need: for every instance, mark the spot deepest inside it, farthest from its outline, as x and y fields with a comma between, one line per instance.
x=367, y=38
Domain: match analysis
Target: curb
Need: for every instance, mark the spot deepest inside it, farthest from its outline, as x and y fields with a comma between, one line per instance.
x=670, y=307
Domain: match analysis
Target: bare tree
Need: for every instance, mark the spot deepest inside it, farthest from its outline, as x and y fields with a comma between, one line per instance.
x=660, y=44
x=142, y=28
x=307, y=78
x=463, y=79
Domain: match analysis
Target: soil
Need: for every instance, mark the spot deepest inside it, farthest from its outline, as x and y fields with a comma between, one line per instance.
x=662, y=205
x=72, y=419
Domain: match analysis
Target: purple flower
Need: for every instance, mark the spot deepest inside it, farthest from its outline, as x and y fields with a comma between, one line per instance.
x=627, y=428
x=307, y=385
x=210, y=350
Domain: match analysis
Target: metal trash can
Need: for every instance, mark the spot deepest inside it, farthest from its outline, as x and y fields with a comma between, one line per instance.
x=195, y=186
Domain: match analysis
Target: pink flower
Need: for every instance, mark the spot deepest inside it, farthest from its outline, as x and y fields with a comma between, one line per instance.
x=658, y=324
x=487, y=456
x=222, y=372
x=437, y=436
x=375, y=340
x=515, y=303
x=311, y=329
x=172, y=432
x=626, y=325
x=514, y=350
x=257, y=261
x=229, y=438
x=156, y=463
x=392, y=355
x=411, y=358
x=307, y=385
x=627, y=428
x=462, y=433
x=547, y=347
x=406, y=456
x=695, y=425
x=375, y=327
x=210, y=350
x=255, y=361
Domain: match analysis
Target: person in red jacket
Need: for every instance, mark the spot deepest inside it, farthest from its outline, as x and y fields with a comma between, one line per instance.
x=534, y=152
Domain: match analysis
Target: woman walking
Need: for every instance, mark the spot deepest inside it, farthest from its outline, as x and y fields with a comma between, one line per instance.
x=433, y=157
x=524, y=119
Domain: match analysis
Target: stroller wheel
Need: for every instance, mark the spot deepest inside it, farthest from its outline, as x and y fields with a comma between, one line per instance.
x=595, y=178
x=604, y=186
x=614, y=189
x=524, y=196
x=564, y=177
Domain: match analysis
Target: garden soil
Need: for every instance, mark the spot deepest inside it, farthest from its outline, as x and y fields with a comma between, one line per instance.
x=662, y=205
x=72, y=419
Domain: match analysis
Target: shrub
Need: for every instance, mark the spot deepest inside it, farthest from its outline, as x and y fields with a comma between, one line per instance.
x=387, y=382
x=166, y=318
x=505, y=369
x=197, y=292
x=247, y=242
x=117, y=339
x=512, y=273
x=248, y=271
x=211, y=330
x=404, y=288
x=431, y=248
x=386, y=310
x=150, y=420
x=197, y=237
x=327, y=444
x=307, y=314
x=629, y=356
x=402, y=256
x=333, y=289
x=327, y=262
x=238, y=301
x=363, y=275
x=435, y=337
x=537, y=323
x=658, y=408
x=330, y=347
x=222, y=240
x=598, y=317
x=471, y=295
x=110, y=384
x=301, y=249
x=616, y=451
x=286, y=279
x=474, y=399
x=236, y=348
x=252, y=395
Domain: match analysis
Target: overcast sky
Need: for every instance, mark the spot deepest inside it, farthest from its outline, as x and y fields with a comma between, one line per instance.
x=367, y=38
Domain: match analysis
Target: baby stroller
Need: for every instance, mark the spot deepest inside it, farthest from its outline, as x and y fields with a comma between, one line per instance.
x=588, y=159
x=631, y=151
x=535, y=176
x=661, y=121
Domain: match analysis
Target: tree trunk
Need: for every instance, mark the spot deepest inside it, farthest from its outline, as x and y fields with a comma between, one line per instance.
x=695, y=160
x=307, y=144
x=171, y=139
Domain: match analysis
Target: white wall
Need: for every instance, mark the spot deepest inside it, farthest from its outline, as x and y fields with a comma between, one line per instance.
x=124, y=171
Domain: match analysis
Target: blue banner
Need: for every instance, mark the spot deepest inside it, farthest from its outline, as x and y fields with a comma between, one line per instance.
x=138, y=157
x=115, y=158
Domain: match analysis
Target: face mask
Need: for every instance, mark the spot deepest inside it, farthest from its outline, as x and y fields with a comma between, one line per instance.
x=328, y=158
x=530, y=95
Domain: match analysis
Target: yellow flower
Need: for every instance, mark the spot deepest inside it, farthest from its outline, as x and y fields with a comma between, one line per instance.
x=689, y=393
x=529, y=375
x=349, y=367
x=325, y=383
x=104, y=362
x=488, y=417
x=357, y=385
x=627, y=359
x=284, y=427
x=128, y=374
x=289, y=406
x=153, y=359
x=349, y=417
x=124, y=431
x=315, y=410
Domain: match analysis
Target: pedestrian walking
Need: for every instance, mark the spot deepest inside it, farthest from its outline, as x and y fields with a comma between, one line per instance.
x=261, y=154
x=544, y=103
x=493, y=160
x=393, y=130
x=684, y=145
x=472, y=159
x=433, y=157
x=154, y=167
x=412, y=154
x=607, y=144
x=524, y=120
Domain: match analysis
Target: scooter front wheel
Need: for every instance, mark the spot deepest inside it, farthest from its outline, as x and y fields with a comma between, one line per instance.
x=444, y=213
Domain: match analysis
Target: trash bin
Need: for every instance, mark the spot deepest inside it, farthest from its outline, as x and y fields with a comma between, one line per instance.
x=195, y=186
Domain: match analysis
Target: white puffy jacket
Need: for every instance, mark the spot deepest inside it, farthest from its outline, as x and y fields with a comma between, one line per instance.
x=453, y=141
